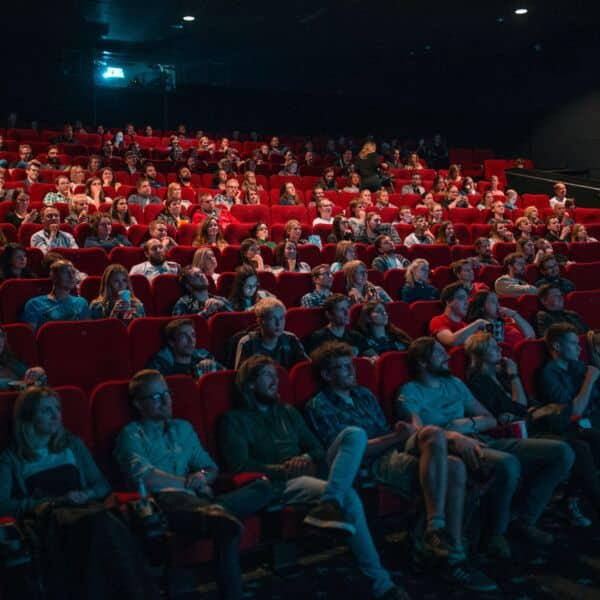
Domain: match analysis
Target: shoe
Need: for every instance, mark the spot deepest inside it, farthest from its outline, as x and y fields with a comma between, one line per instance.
x=498, y=547
x=437, y=543
x=395, y=593
x=328, y=515
x=220, y=523
x=532, y=534
x=469, y=578
x=574, y=514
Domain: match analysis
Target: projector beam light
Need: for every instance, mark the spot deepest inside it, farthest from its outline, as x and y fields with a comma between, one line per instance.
x=113, y=73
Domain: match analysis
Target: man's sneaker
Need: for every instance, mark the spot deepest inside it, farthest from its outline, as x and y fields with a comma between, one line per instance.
x=498, y=547
x=532, y=534
x=469, y=578
x=328, y=515
x=437, y=543
x=574, y=514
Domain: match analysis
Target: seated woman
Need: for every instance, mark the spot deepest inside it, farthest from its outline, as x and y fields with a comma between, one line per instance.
x=288, y=195
x=533, y=214
x=13, y=263
x=417, y=286
x=506, y=324
x=20, y=213
x=250, y=254
x=286, y=258
x=496, y=383
x=116, y=298
x=579, y=234
x=345, y=251
x=293, y=232
x=206, y=261
x=49, y=477
x=324, y=212
x=341, y=230
x=173, y=213
x=446, y=234
x=245, y=291
x=381, y=335
x=102, y=233
x=15, y=372
x=260, y=232
x=353, y=184
x=119, y=212
x=95, y=193
x=358, y=288
x=209, y=233
x=78, y=210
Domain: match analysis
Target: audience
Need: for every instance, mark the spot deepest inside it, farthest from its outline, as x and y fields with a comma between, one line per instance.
x=116, y=298
x=417, y=286
x=513, y=282
x=156, y=263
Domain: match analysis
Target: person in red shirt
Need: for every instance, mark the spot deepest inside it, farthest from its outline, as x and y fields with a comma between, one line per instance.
x=450, y=328
x=508, y=326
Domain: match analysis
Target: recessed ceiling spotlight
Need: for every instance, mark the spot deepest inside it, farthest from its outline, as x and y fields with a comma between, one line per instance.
x=189, y=18
x=521, y=11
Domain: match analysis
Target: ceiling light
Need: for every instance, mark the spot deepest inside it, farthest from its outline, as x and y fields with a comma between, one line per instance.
x=521, y=11
x=189, y=18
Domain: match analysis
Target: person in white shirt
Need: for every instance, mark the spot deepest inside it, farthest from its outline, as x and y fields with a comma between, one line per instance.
x=156, y=264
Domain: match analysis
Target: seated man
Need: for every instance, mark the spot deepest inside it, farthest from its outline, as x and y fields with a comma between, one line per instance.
x=196, y=300
x=165, y=455
x=51, y=237
x=552, y=299
x=62, y=193
x=337, y=313
x=483, y=250
x=565, y=379
x=421, y=233
x=58, y=305
x=513, y=282
x=180, y=356
x=269, y=338
x=157, y=264
x=143, y=195
x=270, y=437
x=387, y=257
x=450, y=328
x=550, y=272
x=341, y=403
x=322, y=280
x=373, y=227
x=435, y=397
x=158, y=230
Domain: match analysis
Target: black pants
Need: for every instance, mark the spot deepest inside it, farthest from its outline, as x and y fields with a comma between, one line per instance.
x=181, y=511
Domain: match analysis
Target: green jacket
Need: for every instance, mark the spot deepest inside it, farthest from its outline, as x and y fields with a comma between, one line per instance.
x=252, y=439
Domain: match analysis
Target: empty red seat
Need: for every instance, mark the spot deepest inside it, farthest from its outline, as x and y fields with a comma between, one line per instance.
x=84, y=353
x=14, y=293
x=587, y=304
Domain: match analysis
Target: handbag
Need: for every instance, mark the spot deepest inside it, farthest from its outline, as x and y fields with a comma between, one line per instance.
x=550, y=418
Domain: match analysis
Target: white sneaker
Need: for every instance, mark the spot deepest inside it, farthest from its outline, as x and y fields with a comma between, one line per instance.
x=574, y=514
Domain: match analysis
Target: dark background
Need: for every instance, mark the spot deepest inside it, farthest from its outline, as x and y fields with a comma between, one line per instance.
x=525, y=85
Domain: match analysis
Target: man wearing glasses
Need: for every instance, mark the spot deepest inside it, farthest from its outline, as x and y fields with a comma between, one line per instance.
x=166, y=456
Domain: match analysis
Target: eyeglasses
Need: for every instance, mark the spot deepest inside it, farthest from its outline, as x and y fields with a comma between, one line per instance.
x=158, y=396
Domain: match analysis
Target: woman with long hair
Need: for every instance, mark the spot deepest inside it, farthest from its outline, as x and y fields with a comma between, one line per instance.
x=209, y=233
x=205, y=260
x=381, y=335
x=245, y=290
x=507, y=325
x=416, y=285
x=119, y=212
x=49, y=477
x=358, y=288
x=286, y=258
x=13, y=263
x=116, y=298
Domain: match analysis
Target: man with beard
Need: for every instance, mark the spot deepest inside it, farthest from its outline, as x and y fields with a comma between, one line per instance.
x=433, y=396
x=373, y=227
x=144, y=195
x=513, y=283
x=262, y=434
x=156, y=264
x=195, y=299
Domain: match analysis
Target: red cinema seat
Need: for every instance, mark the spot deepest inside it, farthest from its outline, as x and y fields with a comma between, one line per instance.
x=21, y=341
x=539, y=200
x=165, y=293
x=587, y=304
x=530, y=356
x=223, y=326
x=292, y=286
x=392, y=373
x=435, y=254
x=146, y=337
x=584, y=252
x=393, y=281
x=304, y=321
x=251, y=213
x=283, y=214
x=127, y=256
x=91, y=261
x=14, y=293
x=421, y=312
x=84, y=353
x=585, y=276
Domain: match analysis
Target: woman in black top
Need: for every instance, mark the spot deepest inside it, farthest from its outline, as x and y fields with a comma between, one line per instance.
x=367, y=165
x=495, y=382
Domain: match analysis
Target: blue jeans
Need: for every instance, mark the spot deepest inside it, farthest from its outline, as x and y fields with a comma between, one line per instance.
x=543, y=465
x=344, y=458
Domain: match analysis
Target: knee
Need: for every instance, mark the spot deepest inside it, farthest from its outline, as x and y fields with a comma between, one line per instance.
x=457, y=472
x=508, y=469
x=355, y=436
x=433, y=438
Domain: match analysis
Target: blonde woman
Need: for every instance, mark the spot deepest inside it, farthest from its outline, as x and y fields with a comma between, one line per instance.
x=116, y=298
